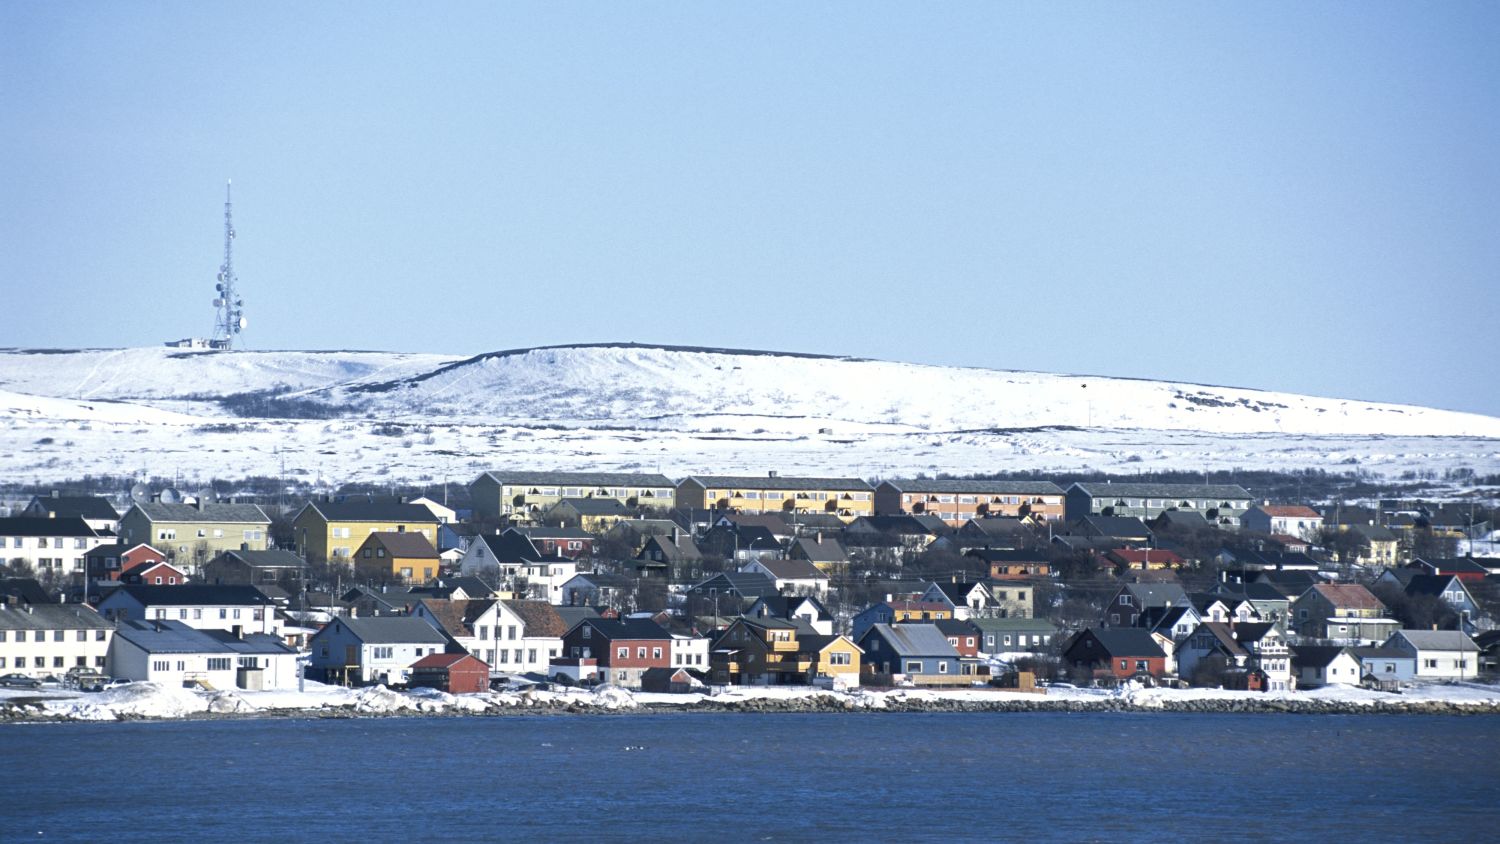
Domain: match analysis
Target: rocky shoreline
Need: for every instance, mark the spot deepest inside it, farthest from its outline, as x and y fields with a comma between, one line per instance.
x=393, y=704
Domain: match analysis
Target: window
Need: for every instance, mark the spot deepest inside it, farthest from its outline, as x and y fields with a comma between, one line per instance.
x=387, y=652
x=942, y=667
x=248, y=662
x=161, y=615
x=1140, y=665
x=1429, y=663
x=161, y=665
x=914, y=666
x=623, y=653
x=587, y=630
x=510, y=632
x=57, y=635
x=531, y=655
x=218, y=663
x=20, y=636
x=656, y=653
x=1124, y=665
x=640, y=652
x=236, y=612
x=838, y=658
x=202, y=533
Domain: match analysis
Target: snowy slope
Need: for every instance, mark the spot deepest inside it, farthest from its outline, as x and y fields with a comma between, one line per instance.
x=656, y=388
x=422, y=418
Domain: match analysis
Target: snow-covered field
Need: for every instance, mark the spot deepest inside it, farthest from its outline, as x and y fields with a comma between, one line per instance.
x=413, y=418
x=151, y=700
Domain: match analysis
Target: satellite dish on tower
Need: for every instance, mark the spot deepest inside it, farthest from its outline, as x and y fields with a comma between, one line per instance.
x=138, y=494
x=170, y=495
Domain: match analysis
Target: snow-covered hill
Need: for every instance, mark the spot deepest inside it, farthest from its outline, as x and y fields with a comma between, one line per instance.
x=411, y=417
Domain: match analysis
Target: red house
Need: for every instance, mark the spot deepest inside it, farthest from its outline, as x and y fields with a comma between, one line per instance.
x=456, y=674
x=154, y=573
x=1466, y=569
x=572, y=543
x=622, y=649
x=107, y=561
x=1118, y=653
x=960, y=634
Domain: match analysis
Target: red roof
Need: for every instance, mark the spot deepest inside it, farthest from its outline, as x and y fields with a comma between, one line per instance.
x=1290, y=511
x=445, y=661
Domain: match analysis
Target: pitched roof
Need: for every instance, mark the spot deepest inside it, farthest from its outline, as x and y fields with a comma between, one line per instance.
x=176, y=637
x=275, y=558
x=547, y=532
x=207, y=512
x=1120, y=526
x=1014, y=625
x=593, y=506
x=194, y=594
x=953, y=627
x=1223, y=635
x=410, y=544
x=451, y=615
x=732, y=482
x=630, y=628
x=580, y=479
x=913, y=639
x=1348, y=596
x=1431, y=584
x=1146, y=556
x=1005, y=555
x=1289, y=511
x=48, y=616
x=371, y=511
x=1315, y=656
x=990, y=487
x=956, y=591
x=539, y=617
x=792, y=569
x=1437, y=640
x=1124, y=641
x=905, y=524
x=748, y=584
x=1156, y=594
x=827, y=551
x=998, y=526
x=79, y=506
x=44, y=526
x=389, y=629
x=444, y=660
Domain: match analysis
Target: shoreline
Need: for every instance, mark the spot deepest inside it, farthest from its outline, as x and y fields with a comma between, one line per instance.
x=148, y=702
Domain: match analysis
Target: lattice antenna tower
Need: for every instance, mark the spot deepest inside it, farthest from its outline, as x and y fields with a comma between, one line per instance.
x=230, y=319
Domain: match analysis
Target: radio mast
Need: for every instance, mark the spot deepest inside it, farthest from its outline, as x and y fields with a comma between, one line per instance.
x=230, y=320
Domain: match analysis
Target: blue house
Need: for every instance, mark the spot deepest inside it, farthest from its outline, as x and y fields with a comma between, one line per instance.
x=918, y=652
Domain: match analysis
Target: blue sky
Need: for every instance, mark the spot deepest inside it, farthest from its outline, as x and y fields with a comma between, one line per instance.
x=1298, y=197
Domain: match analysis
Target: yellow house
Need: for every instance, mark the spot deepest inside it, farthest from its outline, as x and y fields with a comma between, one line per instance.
x=191, y=534
x=326, y=530
x=835, y=659
x=386, y=557
x=847, y=498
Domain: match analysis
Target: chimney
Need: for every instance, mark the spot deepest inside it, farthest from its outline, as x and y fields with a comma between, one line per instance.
x=820, y=537
x=771, y=474
x=54, y=493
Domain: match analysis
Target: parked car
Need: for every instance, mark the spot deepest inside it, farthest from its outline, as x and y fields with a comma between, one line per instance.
x=20, y=681
x=85, y=679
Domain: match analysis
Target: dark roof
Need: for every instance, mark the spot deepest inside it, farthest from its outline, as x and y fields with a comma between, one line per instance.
x=409, y=544
x=631, y=628
x=275, y=558
x=452, y=615
x=1120, y=526
x=955, y=627
x=371, y=511
x=912, y=639
x=998, y=526
x=747, y=584
x=572, y=615
x=733, y=482
x=904, y=525
x=77, y=506
x=510, y=547
x=27, y=590
x=1156, y=594
x=1184, y=519
x=606, y=579
x=593, y=506
x=444, y=660
x=44, y=526
x=827, y=551
x=156, y=511
x=545, y=532
x=42, y=615
x=1248, y=592
x=1315, y=656
x=1124, y=641
x=389, y=629
x=580, y=479
x=1005, y=555
x=956, y=591
x=194, y=594
x=1223, y=492
x=782, y=606
x=1431, y=584
x=169, y=637
x=540, y=617
x=1454, y=565
x=683, y=550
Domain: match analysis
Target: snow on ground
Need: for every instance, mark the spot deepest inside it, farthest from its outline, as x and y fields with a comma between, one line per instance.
x=150, y=700
x=424, y=419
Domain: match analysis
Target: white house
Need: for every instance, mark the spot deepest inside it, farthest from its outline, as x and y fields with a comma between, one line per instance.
x=1286, y=519
x=42, y=640
x=516, y=562
x=50, y=545
x=239, y=609
x=172, y=653
x=690, y=651
x=792, y=577
x=96, y=511
x=372, y=650
x=511, y=637
x=1440, y=654
x=1325, y=665
x=967, y=599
